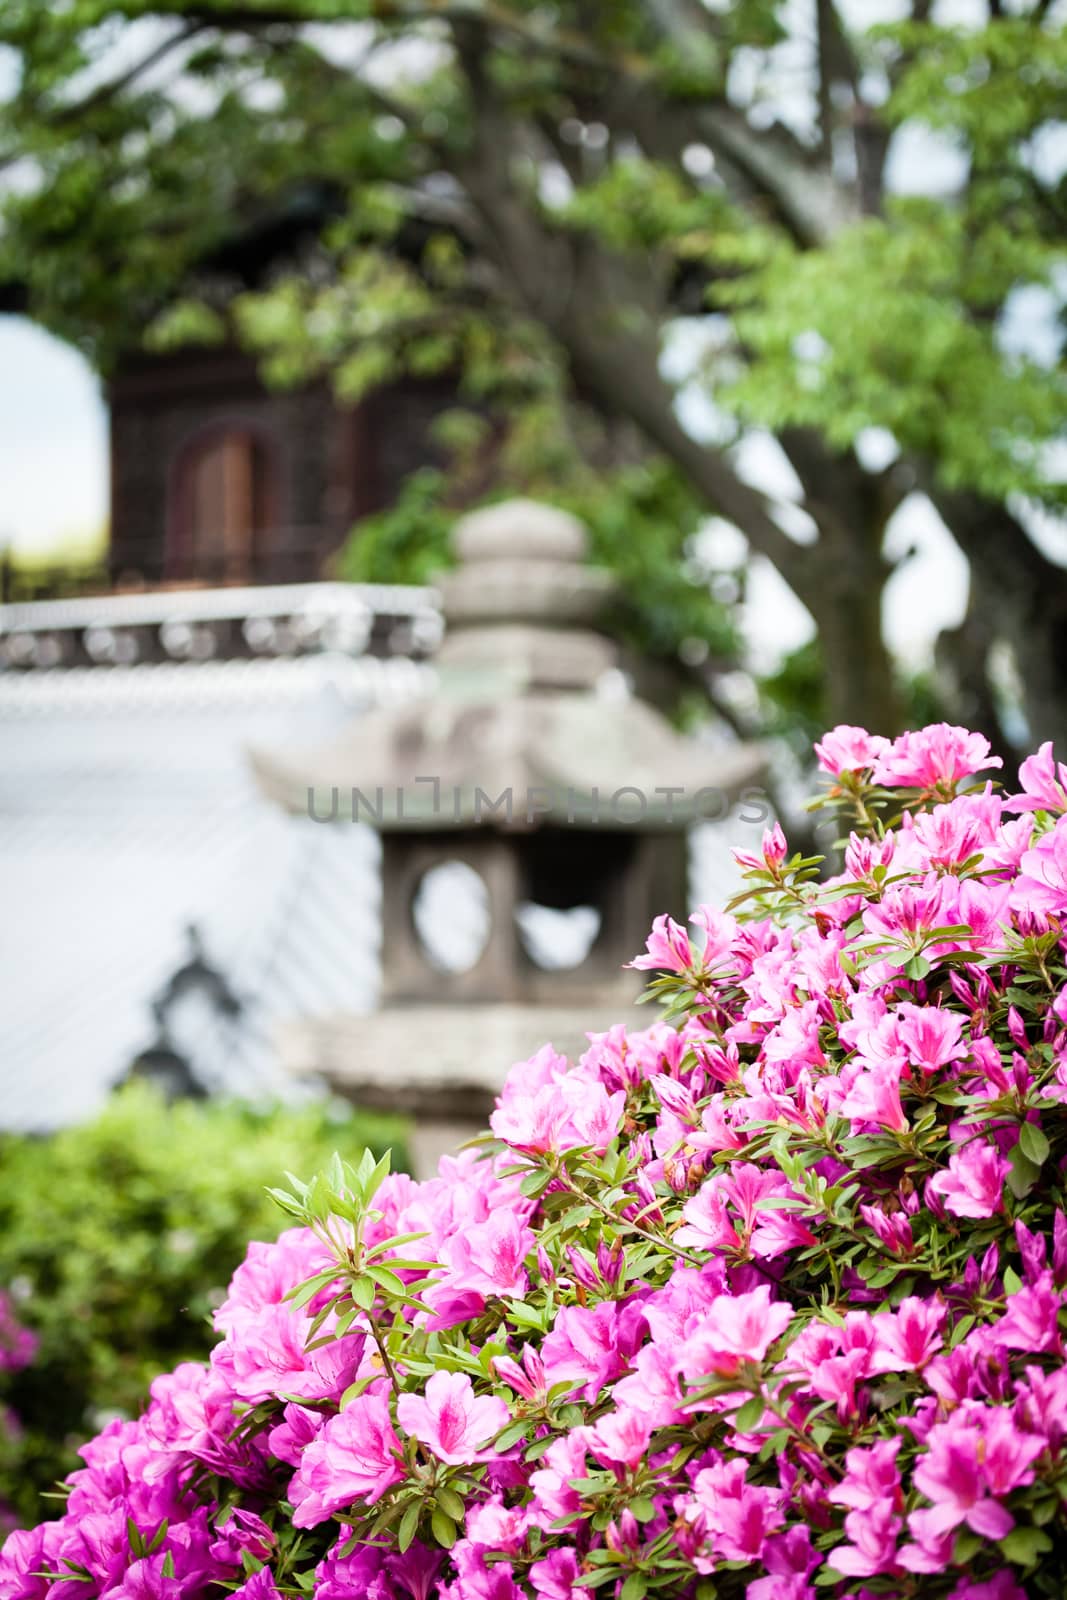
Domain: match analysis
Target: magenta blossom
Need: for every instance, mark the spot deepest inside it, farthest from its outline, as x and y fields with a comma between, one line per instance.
x=734, y=1329
x=667, y=948
x=1042, y=883
x=1044, y=783
x=847, y=749
x=934, y=757
x=453, y=1422
x=973, y=1186
x=972, y=1460
x=356, y=1456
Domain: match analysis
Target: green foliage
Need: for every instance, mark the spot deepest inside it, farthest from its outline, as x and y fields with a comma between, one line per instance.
x=118, y=1238
x=793, y=698
x=927, y=366
x=527, y=197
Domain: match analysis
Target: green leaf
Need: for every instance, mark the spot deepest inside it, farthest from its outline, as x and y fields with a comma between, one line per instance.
x=635, y=1587
x=409, y=1523
x=451, y=1503
x=1022, y=1546
x=444, y=1529
x=512, y=1434
x=363, y=1293
x=1033, y=1143
x=1023, y=1174
x=750, y=1415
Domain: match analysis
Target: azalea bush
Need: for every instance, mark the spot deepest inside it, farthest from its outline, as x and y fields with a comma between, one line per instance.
x=766, y=1300
x=117, y=1240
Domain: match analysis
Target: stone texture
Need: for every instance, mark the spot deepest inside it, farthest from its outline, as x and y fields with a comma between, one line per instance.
x=440, y=1062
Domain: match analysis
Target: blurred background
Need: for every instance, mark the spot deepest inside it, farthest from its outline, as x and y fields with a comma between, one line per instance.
x=768, y=293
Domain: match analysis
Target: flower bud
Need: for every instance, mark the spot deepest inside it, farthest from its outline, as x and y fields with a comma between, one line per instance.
x=581, y=1271
x=624, y=1534
x=1017, y=1028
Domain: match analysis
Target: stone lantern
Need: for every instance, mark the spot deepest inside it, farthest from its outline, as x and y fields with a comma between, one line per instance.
x=533, y=773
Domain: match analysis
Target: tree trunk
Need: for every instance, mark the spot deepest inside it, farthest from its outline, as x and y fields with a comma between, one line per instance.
x=846, y=603
x=962, y=663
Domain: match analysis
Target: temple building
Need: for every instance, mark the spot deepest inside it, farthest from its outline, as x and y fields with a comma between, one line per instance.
x=217, y=479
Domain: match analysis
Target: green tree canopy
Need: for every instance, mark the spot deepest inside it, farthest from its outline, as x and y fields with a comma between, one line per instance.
x=537, y=196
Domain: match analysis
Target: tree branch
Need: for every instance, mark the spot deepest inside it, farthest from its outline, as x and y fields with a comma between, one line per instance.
x=572, y=283
x=65, y=114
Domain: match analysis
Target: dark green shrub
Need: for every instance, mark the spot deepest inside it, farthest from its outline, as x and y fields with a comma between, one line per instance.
x=117, y=1239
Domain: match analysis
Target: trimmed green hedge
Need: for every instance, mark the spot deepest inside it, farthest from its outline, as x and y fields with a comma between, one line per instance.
x=117, y=1238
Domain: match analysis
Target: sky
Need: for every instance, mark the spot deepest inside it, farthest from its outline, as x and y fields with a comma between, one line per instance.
x=53, y=434
x=53, y=441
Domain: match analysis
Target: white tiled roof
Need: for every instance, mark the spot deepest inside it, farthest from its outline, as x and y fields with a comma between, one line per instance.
x=127, y=812
x=208, y=605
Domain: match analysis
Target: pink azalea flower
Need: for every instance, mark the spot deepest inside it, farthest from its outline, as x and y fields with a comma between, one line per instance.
x=477, y=1579
x=892, y=1228
x=872, y=1478
x=529, y=1380
x=1042, y=883
x=589, y=1346
x=496, y=1526
x=621, y=1437
x=973, y=1186
x=1031, y=1318
x=534, y=1123
x=267, y=1274
x=653, y=1385
x=1002, y=1586
x=931, y=1547
x=738, y=1516
x=873, y=1534
x=1044, y=783
x=708, y=1225
x=793, y=1587
x=450, y=1419
x=146, y=1580
x=734, y=1329
x=874, y=1096
x=553, y=1496
x=939, y=755
x=951, y=834
x=265, y=1357
x=930, y=1036
x=773, y=850
x=489, y=1256
x=719, y=930
x=556, y=1577
x=355, y=1456
x=849, y=749
x=970, y=1460
x=667, y=948
x=908, y=1338
x=567, y=1114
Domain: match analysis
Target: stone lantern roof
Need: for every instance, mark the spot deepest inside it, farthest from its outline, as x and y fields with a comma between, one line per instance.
x=532, y=722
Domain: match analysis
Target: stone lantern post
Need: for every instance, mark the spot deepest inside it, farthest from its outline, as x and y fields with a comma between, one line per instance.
x=535, y=774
